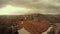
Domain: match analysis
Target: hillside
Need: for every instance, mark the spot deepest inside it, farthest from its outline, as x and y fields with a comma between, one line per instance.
x=6, y=22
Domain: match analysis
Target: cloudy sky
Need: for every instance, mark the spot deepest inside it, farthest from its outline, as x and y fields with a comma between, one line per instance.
x=29, y=6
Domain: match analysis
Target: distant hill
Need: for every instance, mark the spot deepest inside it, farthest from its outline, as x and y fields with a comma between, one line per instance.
x=46, y=17
x=36, y=17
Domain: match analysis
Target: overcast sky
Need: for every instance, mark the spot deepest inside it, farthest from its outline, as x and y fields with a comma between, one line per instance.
x=36, y=6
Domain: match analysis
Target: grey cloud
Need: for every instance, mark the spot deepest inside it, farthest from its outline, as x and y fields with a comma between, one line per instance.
x=3, y=3
x=32, y=3
x=47, y=6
